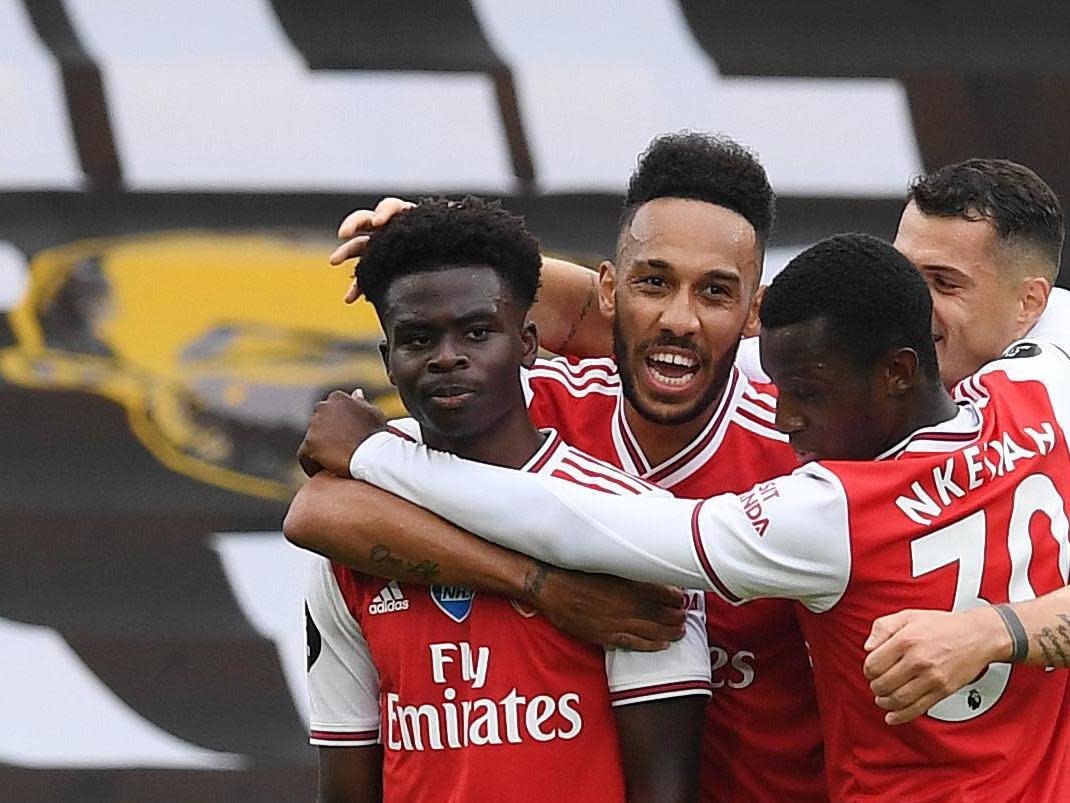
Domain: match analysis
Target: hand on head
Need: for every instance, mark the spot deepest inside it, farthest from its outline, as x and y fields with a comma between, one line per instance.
x=357, y=229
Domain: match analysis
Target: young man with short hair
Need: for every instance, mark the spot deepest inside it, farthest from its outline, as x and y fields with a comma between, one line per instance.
x=910, y=495
x=465, y=695
x=987, y=235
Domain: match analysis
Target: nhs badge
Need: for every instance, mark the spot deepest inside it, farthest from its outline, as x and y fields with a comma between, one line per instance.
x=454, y=601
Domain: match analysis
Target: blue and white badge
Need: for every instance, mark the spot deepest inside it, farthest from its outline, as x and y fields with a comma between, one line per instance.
x=454, y=601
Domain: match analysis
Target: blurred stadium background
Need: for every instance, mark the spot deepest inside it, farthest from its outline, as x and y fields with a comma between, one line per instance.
x=171, y=174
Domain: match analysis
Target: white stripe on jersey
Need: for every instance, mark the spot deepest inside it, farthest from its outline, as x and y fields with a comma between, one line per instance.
x=751, y=425
x=601, y=371
x=585, y=470
x=757, y=410
x=594, y=385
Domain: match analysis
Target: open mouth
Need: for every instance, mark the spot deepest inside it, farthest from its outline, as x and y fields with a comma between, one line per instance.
x=672, y=369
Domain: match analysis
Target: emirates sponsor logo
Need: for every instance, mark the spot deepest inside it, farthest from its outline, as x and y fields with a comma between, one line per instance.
x=390, y=600
x=453, y=725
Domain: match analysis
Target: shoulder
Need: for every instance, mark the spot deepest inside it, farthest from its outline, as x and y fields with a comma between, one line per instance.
x=749, y=361
x=407, y=428
x=756, y=411
x=1025, y=361
x=573, y=465
x=1054, y=324
x=573, y=376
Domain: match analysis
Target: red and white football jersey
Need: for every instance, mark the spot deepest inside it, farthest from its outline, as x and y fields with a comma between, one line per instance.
x=475, y=697
x=762, y=738
x=969, y=512
x=965, y=513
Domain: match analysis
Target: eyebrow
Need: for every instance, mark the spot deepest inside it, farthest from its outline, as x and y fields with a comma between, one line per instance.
x=483, y=314
x=940, y=268
x=723, y=274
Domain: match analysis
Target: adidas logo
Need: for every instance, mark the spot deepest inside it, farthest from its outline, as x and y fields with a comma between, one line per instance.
x=389, y=600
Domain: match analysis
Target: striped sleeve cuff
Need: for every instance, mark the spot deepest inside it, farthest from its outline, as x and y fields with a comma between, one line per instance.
x=348, y=738
x=662, y=691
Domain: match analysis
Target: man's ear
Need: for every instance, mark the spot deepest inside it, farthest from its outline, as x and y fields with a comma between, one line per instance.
x=384, y=352
x=529, y=337
x=753, y=325
x=1032, y=301
x=900, y=372
x=607, y=284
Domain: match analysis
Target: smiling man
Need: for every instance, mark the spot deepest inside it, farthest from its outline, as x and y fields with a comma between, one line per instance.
x=987, y=234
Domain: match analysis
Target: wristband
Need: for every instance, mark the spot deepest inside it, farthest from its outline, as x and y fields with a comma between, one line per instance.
x=1019, y=640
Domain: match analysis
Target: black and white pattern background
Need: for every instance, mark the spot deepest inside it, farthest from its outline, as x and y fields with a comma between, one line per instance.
x=150, y=624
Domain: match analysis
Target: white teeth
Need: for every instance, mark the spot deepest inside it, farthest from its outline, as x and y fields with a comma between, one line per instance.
x=674, y=359
x=672, y=380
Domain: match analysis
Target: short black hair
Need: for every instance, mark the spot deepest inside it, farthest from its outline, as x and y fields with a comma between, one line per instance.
x=1016, y=201
x=437, y=234
x=704, y=167
x=871, y=297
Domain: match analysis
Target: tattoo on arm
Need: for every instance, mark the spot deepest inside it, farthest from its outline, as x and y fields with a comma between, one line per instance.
x=1054, y=643
x=592, y=295
x=401, y=569
x=535, y=579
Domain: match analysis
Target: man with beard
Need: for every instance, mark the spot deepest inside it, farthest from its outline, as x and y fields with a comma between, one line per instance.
x=672, y=409
x=910, y=495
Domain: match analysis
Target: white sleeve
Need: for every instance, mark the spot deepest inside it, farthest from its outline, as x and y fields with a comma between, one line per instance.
x=659, y=540
x=682, y=670
x=343, y=684
x=749, y=361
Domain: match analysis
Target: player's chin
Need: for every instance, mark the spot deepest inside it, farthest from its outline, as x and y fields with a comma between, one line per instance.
x=678, y=410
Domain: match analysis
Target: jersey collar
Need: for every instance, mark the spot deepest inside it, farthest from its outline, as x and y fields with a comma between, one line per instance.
x=949, y=436
x=689, y=459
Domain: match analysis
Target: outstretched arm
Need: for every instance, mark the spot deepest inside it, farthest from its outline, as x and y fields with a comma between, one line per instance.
x=377, y=533
x=920, y=657
x=786, y=538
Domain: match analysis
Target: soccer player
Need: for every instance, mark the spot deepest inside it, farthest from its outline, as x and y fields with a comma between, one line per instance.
x=671, y=408
x=987, y=234
x=909, y=495
x=473, y=697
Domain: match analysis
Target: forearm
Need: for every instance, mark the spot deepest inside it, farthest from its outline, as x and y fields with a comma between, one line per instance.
x=660, y=746
x=566, y=311
x=375, y=532
x=1047, y=625
x=558, y=522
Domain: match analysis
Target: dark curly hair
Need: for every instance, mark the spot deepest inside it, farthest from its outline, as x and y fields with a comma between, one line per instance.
x=437, y=234
x=704, y=167
x=1021, y=207
x=870, y=295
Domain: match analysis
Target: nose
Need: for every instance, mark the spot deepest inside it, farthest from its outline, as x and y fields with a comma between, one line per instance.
x=449, y=356
x=788, y=420
x=678, y=317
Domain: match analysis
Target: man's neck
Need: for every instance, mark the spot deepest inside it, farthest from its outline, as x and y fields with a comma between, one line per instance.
x=511, y=442
x=929, y=410
x=661, y=441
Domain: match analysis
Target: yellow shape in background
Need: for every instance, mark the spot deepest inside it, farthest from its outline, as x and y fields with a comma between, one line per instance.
x=166, y=292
